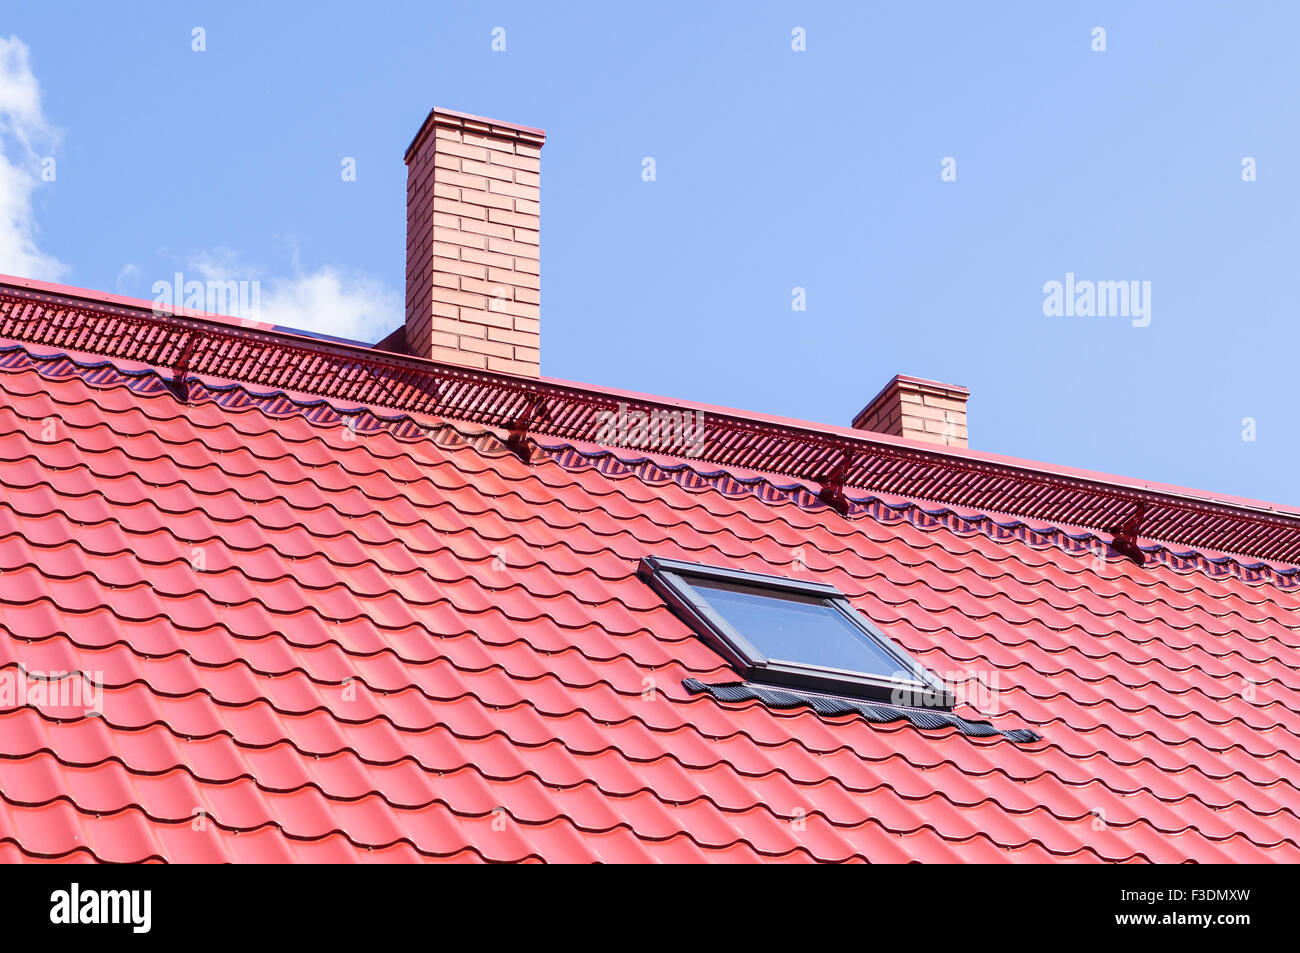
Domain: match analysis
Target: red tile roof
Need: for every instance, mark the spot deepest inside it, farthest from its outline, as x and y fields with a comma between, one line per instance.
x=397, y=640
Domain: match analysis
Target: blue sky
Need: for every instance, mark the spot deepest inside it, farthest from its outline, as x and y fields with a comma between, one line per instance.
x=776, y=169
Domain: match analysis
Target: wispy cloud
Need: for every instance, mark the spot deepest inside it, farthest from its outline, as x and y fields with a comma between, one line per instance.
x=129, y=274
x=26, y=137
x=328, y=300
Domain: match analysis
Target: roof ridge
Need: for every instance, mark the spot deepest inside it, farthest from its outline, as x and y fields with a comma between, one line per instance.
x=319, y=411
x=195, y=346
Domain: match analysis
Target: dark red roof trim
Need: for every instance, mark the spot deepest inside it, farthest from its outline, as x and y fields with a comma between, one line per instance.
x=832, y=706
x=321, y=412
x=260, y=357
x=1081, y=544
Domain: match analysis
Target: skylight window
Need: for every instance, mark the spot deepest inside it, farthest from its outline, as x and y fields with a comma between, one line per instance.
x=793, y=633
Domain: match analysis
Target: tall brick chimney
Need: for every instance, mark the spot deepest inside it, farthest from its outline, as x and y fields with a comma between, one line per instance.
x=472, y=263
x=918, y=409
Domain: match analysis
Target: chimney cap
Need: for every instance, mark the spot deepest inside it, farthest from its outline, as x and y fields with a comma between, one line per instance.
x=468, y=122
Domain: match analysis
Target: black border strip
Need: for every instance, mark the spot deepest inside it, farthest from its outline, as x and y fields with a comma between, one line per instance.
x=831, y=705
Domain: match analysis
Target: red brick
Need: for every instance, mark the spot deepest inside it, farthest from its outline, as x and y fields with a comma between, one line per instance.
x=505, y=366
x=462, y=300
x=489, y=142
x=515, y=308
x=481, y=315
x=454, y=236
x=495, y=229
x=475, y=197
x=461, y=180
x=486, y=170
x=511, y=277
x=466, y=268
x=487, y=258
x=448, y=207
x=479, y=346
x=456, y=356
x=492, y=289
x=522, y=163
x=921, y=410
x=513, y=219
x=507, y=247
x=449, y=325
x=520, y=338
x=450, y=147
x=512, y=189
x=947, y=403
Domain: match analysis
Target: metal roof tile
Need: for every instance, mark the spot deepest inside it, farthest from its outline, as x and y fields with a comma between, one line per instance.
x=413, y=646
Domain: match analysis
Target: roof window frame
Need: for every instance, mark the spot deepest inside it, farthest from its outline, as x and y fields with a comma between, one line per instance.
x=672, y=580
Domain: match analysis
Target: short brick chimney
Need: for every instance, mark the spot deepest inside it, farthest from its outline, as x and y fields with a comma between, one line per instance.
x=918, y=409
x=472, y=263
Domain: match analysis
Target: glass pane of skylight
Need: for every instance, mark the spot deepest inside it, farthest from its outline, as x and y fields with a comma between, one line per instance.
x=800, y=629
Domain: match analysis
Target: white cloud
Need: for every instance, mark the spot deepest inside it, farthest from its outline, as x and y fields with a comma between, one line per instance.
x=129, y=274
x=328, y=300
x=347, y=304
x=26, y=137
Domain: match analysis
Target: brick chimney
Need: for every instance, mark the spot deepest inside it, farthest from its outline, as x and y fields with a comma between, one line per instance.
x=472, y=263
x=918, y=409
